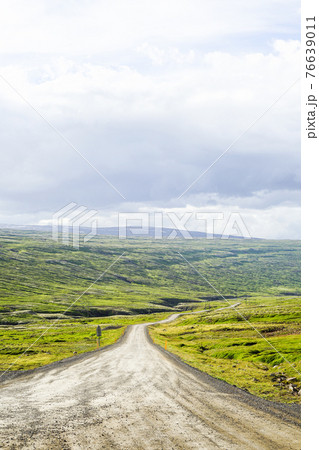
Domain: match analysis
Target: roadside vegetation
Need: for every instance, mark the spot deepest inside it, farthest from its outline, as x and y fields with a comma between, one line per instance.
x=223, y=344
x=64, y=339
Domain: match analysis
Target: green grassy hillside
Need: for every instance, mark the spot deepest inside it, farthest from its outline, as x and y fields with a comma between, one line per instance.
x=41, y=278
x=42, y=281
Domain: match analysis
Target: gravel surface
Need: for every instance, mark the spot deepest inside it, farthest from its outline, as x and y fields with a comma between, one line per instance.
x=134, y=395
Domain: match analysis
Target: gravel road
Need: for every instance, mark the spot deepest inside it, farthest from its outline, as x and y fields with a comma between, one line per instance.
x=136, y=396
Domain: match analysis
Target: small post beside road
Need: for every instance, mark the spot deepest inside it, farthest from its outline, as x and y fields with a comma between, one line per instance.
x=165, y=345
x=98, y=334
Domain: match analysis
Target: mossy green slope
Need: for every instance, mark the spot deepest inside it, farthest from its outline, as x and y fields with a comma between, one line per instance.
x=260, y=354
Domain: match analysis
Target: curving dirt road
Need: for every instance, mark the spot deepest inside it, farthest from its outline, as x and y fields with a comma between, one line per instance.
x=135, y=396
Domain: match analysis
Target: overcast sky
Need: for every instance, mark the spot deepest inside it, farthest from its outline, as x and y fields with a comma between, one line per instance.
x=151, y=94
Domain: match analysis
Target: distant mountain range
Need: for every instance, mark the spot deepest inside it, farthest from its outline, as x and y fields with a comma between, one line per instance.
x=136, y=232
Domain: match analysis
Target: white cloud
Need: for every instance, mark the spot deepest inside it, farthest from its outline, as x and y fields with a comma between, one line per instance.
x=160, y=56
x=86, y=28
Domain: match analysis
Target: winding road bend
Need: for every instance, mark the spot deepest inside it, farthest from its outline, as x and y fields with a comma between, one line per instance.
x=135, y=396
